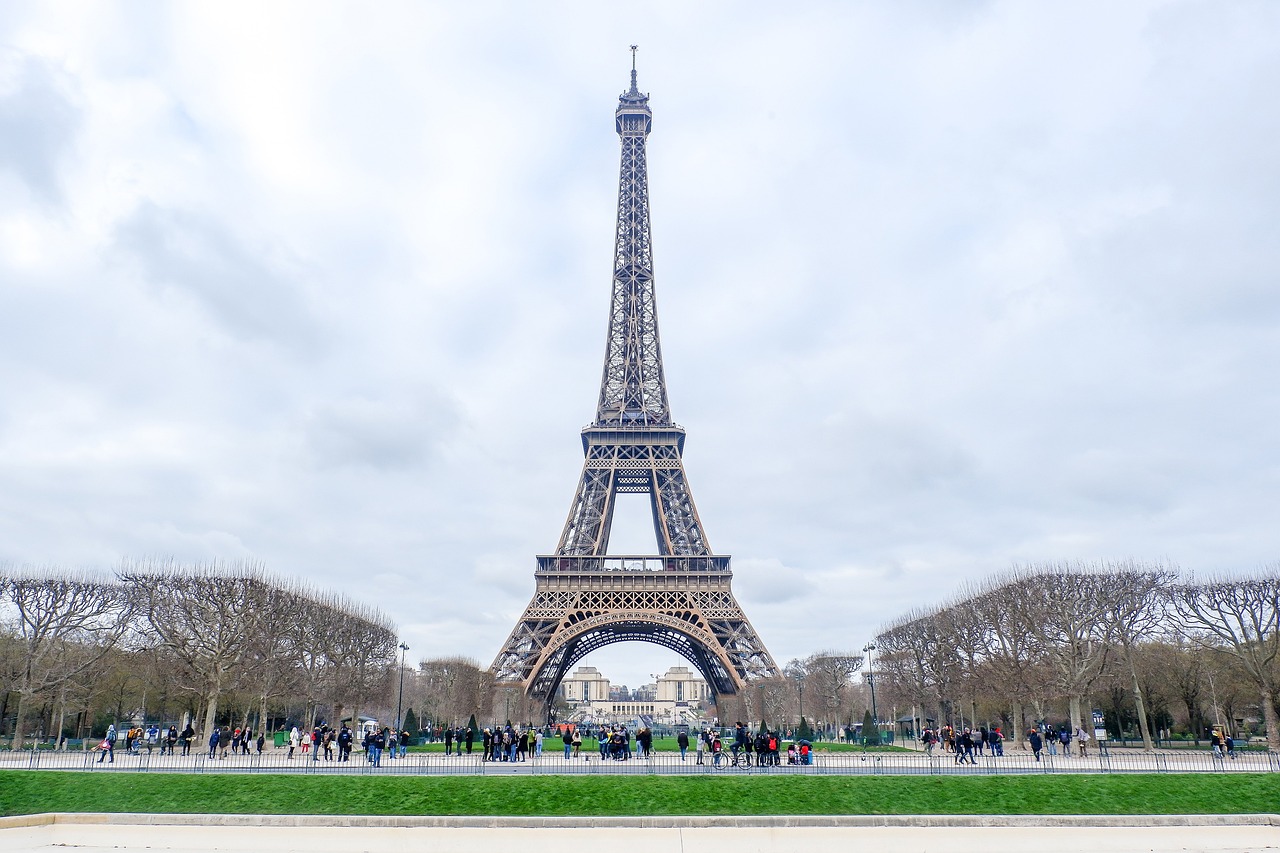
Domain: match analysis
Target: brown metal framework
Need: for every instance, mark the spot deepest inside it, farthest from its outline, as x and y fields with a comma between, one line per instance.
x=679, y=598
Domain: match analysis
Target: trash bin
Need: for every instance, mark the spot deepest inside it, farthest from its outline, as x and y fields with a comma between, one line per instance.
x=281, y=738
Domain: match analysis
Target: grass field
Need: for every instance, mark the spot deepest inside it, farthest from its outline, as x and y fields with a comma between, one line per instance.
x=28, y=792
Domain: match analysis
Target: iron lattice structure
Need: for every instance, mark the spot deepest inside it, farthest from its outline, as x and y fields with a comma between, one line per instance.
x=680, y=597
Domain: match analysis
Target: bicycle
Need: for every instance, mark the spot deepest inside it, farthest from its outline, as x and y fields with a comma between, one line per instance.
x=742, y=760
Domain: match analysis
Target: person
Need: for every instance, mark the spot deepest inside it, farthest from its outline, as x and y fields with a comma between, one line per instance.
x=188, y=735
x=577, y=743
x=1215, y=741
x=682, y=741
x=1082, y=741
x=486, y=744
x=537, y=744
x=392, y=738
x=1064, y=737
x=568, y=742
x=295, y=737
x=306, y=742
x=702, y=740
x=806, y=754
x=448, y=741
x=214, y=736
x=344, y=743
x=997, y=742
x=739, y=739
x=404, y=743
x=262, y=741
x=717, y=749
x=316, y=737
x=108, y=745
x=1051, y=740
x=1036, y=742
x=470, y=738
x=964, y=747
x=1231, y=746
x=926, y=737
x=377, y=743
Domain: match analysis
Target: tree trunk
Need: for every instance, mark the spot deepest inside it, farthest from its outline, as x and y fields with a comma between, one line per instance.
x=1074, y=709
x=210, y=712
x=1015, y=716
x=1273, y=722
x=62, y=718
x=17, y=722
x=1144, y=726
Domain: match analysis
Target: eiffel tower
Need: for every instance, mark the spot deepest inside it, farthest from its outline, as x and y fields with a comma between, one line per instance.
x=680, y=597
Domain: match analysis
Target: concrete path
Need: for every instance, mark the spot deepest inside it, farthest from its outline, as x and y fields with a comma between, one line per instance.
x=717, y=835
x=835, y=763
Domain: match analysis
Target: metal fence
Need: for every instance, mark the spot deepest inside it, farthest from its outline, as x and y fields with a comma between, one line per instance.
x=590, y=762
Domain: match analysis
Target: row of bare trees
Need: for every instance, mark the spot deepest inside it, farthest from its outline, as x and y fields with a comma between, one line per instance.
x=824, y=688
x=196, y=638
x=1049, y=635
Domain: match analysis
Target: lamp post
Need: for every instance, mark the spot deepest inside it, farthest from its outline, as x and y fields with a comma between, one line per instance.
x=871, y=679
x=404, y=647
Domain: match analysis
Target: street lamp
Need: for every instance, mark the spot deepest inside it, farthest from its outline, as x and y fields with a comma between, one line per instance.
x=871, y=679
x=404, y=647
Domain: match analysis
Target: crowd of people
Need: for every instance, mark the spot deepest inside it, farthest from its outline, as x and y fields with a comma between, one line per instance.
x=964, y=745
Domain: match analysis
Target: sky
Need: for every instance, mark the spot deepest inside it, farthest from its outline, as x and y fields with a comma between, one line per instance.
x=943, y=287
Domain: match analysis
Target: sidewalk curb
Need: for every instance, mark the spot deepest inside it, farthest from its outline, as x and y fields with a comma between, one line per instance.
x=667, y=822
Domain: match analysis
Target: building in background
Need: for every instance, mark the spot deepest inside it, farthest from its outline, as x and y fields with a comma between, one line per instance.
x=678, y=697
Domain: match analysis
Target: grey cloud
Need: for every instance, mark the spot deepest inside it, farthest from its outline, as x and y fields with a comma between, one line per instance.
x=239, y=285
x=382, y=435
x=38, y=123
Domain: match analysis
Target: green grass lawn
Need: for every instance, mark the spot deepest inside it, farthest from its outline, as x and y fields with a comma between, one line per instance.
x=27, y=792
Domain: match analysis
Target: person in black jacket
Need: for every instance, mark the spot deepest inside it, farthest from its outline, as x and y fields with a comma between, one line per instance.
x=682, y=741
x=1037, y=743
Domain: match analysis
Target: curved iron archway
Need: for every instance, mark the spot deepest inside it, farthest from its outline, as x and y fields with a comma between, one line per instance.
x=575, y=647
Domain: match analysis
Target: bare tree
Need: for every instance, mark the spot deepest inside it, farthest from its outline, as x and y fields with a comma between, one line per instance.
x=1135, y=597
x=828, y=675
x=1065, y=608
x=65, y=624
x=1240, y=617
x=209, y=616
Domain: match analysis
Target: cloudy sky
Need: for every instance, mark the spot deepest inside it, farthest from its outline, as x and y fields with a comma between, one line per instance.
x=943, y=287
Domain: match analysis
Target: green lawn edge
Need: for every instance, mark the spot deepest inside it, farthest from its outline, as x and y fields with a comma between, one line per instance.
x=33, y=792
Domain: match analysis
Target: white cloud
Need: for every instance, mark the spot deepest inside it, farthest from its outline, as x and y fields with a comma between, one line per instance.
x=942, y=287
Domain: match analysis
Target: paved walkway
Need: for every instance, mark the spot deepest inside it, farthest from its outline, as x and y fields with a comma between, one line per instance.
x=704, y=835
x=662, y=763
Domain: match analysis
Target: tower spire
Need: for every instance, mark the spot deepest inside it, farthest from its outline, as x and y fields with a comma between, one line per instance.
x=633, y=390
